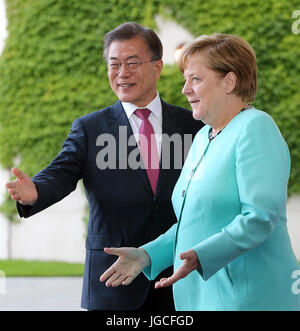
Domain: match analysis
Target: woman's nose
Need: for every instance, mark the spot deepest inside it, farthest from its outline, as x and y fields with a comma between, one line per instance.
x=186, y=90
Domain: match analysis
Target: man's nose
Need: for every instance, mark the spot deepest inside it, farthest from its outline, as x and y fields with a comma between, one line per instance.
x=124, y=71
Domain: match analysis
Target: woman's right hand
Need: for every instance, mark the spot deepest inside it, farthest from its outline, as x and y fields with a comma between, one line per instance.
x=128, y=266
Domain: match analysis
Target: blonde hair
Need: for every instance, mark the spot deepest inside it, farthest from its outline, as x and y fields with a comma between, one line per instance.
x=226, y=53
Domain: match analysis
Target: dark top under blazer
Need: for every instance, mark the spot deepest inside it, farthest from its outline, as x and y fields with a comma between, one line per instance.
x=122, y=208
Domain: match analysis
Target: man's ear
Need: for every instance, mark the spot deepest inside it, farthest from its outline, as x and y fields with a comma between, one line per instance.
x=229, y=82
x=158, y=67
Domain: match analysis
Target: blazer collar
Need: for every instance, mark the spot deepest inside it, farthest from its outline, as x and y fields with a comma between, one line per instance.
x=155, y=107
x=170, y=123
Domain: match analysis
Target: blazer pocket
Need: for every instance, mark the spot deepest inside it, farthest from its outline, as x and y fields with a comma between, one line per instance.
x=100, y=241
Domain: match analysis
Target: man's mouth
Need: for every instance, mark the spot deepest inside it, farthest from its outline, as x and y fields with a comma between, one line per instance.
x=125, y=85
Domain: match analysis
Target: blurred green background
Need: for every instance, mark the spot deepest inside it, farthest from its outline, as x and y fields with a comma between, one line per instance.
x=21, y=268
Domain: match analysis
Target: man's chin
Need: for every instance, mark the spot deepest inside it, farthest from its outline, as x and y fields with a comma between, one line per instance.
x=125, y=97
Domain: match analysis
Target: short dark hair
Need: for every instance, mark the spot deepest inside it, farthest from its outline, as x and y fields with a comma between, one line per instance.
x=131, y=30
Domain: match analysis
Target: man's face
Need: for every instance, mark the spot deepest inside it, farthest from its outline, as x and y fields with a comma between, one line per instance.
x=138, y=85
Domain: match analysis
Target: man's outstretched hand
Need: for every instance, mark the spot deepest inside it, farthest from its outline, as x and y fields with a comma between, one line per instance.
x=23, y=189
x=129, y=265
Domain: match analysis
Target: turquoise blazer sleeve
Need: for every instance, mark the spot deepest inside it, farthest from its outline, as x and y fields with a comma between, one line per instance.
x=262, y=170
x=160, y=252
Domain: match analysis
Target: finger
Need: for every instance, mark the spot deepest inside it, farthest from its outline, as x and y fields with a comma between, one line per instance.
x=18, y=173
x=127, y=281
x=16, y=197
x=166, y=283
x=158, y=284
x=118, y=281
x=12, y=191
x=11, y=185
x=111, y=279
x=179, y=274
x=108, y=273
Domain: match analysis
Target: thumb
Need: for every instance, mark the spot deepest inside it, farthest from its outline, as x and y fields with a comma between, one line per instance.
x=184, y=255
x=113, y=251
x=18, y=173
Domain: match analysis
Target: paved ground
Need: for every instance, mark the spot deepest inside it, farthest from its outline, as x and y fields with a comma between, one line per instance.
x=59, y=293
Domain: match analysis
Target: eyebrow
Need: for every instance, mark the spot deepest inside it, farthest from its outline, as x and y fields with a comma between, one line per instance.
x=128, y=58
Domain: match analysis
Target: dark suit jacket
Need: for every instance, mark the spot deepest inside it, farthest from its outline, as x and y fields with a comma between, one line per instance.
x=122, y=208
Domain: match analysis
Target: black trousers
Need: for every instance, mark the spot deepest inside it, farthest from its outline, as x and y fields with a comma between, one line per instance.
x=158, y=300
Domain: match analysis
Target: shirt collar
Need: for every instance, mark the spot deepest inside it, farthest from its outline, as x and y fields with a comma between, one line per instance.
x=155, y=107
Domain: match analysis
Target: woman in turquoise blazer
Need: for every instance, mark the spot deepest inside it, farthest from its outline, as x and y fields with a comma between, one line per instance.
x=230, y=247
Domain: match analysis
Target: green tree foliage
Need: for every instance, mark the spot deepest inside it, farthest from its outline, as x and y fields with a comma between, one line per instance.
x=52, y=70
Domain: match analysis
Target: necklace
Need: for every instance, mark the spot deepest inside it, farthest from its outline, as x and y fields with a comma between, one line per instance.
x=211, y=137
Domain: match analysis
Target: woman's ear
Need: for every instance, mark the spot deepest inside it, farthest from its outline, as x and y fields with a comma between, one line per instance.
x=229, y=82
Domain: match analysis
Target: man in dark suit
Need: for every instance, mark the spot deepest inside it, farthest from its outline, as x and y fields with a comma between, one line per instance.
x=128, y=206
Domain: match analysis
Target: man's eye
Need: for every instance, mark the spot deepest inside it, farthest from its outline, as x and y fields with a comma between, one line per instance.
x=132, y=65
x=114, y=65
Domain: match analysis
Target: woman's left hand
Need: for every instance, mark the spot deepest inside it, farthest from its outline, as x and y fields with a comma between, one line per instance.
x=190, y=263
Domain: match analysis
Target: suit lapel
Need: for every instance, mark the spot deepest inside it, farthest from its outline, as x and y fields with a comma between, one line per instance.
x=121, y=125
x=170, y=126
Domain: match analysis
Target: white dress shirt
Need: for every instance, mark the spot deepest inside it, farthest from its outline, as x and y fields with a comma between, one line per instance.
x=155, y=119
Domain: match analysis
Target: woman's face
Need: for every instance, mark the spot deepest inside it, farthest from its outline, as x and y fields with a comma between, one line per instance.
x=204, y=90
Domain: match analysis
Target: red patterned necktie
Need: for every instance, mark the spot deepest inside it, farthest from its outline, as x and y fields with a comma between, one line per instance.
x=148, y=147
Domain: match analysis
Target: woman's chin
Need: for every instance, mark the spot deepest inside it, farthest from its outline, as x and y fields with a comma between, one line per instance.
x=197, y=115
